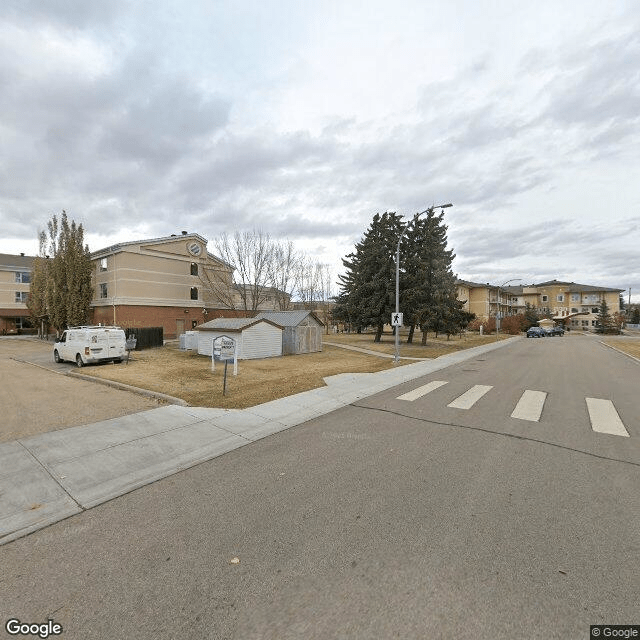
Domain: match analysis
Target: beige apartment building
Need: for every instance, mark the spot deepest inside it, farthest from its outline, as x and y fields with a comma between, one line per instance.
x=163, y=282
x=572, y=304
x=15, y=278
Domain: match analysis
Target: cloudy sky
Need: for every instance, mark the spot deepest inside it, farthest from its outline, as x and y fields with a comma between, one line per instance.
x=304, y=119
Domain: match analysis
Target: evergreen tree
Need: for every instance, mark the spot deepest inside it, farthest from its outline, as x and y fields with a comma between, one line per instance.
x=531, y=317
x=604, y=322
x=429, y=284
x=635, y=316
x=367, y=289
x=61, y=290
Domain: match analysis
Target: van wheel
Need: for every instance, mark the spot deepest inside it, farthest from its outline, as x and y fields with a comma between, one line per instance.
x=56, y=356
x=79, y=361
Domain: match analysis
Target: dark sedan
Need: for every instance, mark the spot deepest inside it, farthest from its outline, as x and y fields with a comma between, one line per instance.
x=536, y=332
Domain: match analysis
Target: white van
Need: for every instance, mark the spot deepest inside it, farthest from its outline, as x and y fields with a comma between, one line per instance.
x=85, y=345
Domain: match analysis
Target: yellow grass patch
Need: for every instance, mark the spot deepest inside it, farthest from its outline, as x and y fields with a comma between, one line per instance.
x=434, y=347
x=188, y=376
x=632, y=347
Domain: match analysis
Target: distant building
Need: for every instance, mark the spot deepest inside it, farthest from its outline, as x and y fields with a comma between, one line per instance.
x=15, y=279
x=575, y=305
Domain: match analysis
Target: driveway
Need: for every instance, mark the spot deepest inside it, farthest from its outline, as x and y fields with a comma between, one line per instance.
x=38, y=397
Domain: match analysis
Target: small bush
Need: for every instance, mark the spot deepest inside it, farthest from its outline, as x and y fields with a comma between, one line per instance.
x=513, y=325
x=488, y=325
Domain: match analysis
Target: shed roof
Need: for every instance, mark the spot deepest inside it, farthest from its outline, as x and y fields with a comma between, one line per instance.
x=232, y=324
x=288, y=318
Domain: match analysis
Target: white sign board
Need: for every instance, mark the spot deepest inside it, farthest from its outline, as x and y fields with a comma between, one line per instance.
x=396, y=319
x=225, y=349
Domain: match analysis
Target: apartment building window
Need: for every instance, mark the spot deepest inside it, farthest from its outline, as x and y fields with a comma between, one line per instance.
x=560, y=297
x=23, y=277
x=595, y=310
x=21, y=296
x=194, y=269
x=103, y=292
x=545, y=298
x=102, y=265
x=575, y=297
x=194, y=293
x=574, y=310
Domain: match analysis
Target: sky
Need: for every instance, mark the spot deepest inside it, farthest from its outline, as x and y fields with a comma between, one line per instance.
x=303, y=119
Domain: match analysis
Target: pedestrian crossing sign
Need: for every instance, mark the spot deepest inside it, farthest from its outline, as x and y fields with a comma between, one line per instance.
x=396, y=319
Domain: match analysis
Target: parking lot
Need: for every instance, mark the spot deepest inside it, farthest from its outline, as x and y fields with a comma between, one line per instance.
x=37, y=396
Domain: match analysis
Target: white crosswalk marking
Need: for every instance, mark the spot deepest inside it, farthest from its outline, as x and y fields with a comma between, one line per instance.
x=421, y=391
x=469, y=398
x=604, y=417
x=530, y=405
x=602, y=413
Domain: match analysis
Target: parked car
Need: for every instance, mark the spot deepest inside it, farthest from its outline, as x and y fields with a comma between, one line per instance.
x=556, y=331
x=90, y=344
x=536, y=332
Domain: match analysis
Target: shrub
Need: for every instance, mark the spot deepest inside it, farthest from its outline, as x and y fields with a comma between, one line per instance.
x=513, y=325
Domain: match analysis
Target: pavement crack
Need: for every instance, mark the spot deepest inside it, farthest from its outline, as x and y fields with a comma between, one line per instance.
x=497, y=433
x=44, y=466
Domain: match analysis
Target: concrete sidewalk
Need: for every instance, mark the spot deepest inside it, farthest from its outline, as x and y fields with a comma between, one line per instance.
x=49, y=477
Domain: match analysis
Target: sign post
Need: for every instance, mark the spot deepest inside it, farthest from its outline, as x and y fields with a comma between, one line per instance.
x=224, y=349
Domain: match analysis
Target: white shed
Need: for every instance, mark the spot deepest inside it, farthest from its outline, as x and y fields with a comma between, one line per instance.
x=302, y=330
x=256, y=338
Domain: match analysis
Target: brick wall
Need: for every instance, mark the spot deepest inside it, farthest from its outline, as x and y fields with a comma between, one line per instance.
x=173, y=320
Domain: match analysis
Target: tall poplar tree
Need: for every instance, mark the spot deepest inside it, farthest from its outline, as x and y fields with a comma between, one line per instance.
x=61, y=290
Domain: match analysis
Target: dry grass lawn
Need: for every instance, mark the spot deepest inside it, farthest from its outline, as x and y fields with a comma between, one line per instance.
x=632, y=347
x=188, y=376
x=434, y=348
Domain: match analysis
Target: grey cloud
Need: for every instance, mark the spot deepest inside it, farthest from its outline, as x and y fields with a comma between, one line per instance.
x=66, y=13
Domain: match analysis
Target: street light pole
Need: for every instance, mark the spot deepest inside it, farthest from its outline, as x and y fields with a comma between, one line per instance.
x=396, y=358
x=498, y=303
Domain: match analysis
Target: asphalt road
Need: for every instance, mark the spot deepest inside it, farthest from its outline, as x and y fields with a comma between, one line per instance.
x=389, y=519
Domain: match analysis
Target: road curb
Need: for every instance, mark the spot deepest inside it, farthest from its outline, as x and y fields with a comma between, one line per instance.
x=127, y=387
x=110, y=383
x=624, y=353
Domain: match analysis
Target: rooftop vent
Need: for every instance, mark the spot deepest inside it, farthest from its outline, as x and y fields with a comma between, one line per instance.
x=184, y=233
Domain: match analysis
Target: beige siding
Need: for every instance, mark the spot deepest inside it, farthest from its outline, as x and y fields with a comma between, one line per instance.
x=261, y=340
x=157, y=275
